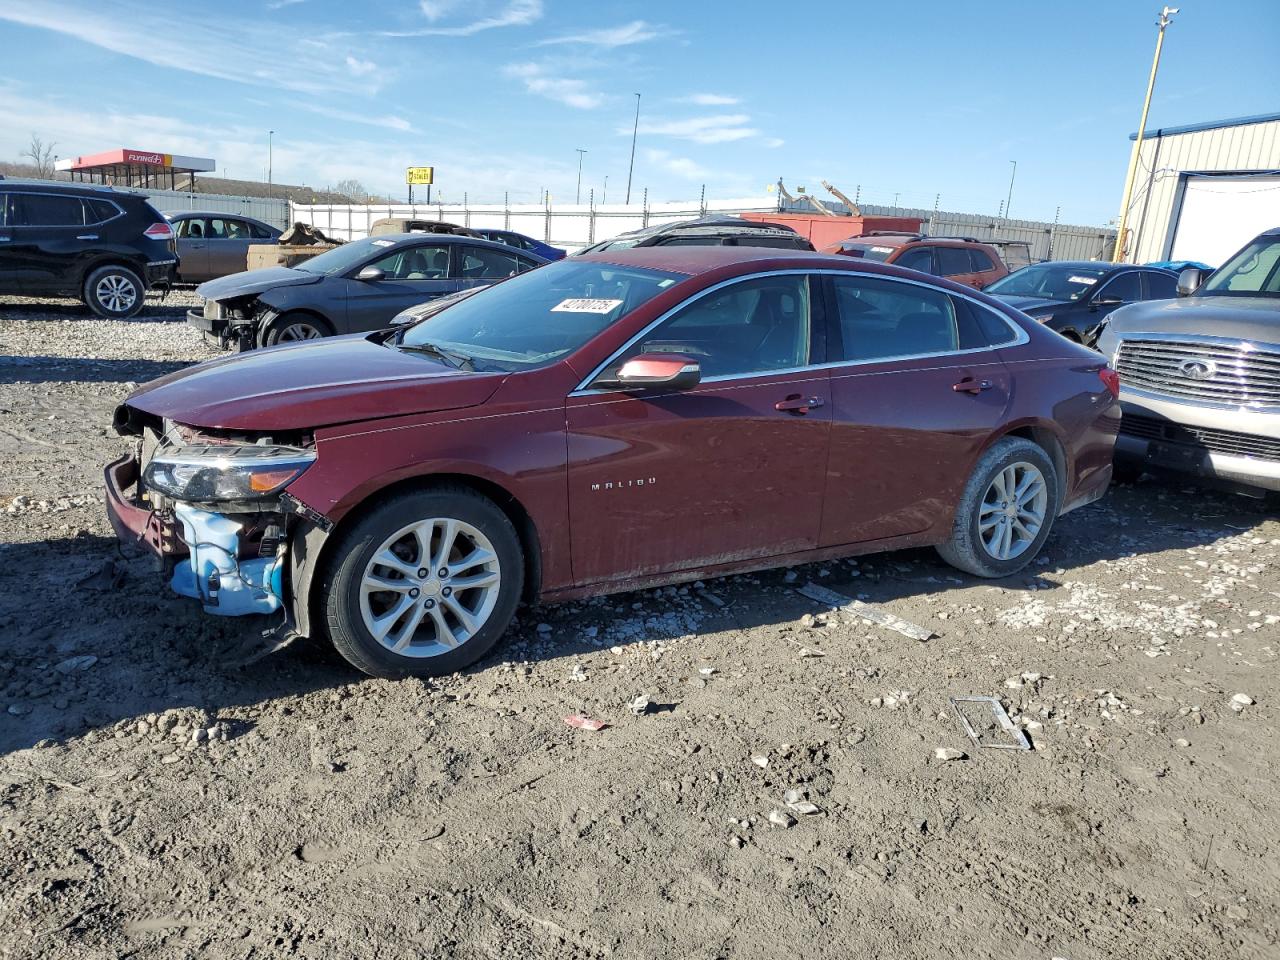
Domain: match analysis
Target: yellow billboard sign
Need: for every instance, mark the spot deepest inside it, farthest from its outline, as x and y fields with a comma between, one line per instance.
x=420, y=175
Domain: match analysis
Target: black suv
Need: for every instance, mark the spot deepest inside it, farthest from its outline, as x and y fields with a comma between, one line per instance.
x=97, y=244
x=707, y=232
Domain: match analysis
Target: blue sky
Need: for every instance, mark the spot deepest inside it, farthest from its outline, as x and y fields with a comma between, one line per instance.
x=907, y=99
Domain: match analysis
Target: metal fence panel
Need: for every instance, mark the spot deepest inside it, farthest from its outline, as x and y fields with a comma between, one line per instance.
x=267, y=209
x=577, y=225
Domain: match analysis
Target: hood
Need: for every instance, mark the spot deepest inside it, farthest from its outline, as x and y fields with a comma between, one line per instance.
x=312, y=384
x=1248, y=318
x=254, y=281
x=1029, y=304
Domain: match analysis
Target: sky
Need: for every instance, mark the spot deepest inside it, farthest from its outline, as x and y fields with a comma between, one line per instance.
x=913, y=101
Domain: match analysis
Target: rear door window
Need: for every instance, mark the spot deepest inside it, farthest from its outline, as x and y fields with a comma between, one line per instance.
x=980, y=327
x=953, y=261
x=49, y=210
x=884, y=319
x=916, y=258
x=483, y=263
x=981, y=261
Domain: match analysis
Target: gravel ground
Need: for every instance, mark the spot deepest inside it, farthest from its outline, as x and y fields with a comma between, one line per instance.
x=156, y=801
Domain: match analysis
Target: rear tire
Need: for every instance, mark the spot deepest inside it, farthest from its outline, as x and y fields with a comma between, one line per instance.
x=295, y=327
x=424, y=585
x=1006, y=511
x=114, y=292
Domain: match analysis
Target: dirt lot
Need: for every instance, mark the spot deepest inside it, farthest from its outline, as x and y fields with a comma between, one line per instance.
x=334, y=816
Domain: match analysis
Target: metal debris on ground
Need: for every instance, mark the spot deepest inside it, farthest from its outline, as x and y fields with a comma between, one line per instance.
x=579, y=722
x=866, y=611
x=993, y=720
x=641, y=705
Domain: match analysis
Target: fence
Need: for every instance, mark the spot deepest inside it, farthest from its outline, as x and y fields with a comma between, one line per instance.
x=578, y=225
x=267, y=209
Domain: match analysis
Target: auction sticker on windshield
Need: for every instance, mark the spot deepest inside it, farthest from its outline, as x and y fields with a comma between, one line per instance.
x=1088, y=281
x=586, y=305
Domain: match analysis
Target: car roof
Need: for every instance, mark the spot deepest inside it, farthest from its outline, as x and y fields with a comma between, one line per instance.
x=188, y=214
x=416, y=239
x=709, y=226
x=695, y=260
x=79, y=189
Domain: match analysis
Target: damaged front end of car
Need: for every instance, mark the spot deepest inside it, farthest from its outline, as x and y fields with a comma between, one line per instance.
x=233, y=324
x=212, y=506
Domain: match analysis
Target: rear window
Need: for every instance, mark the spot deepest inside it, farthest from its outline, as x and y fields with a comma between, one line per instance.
x=48, y=210
x=980, y=260
x=780, y=243
x=97, y=211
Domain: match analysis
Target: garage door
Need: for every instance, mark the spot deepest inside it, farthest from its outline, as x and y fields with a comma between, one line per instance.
x=1221, y=214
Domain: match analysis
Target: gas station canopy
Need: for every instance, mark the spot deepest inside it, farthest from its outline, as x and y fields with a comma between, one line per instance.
x=136, y=168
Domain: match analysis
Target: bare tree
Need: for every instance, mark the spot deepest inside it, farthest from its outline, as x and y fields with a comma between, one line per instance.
x=41, y=156
x=352, y=189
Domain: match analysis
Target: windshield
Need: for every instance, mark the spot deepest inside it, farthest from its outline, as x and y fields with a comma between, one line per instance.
x=343, y=258
x=538, y=317
x=867, y=251
x=1253, y=272
x=1049, y=281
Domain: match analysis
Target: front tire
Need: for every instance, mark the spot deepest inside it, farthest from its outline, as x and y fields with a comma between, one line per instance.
x=424, y=585
x=114, y=292
x=1006, y=511
x=295, y=327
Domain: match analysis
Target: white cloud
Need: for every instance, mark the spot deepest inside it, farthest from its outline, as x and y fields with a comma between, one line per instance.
x=566, y=90
x=723, y=128
x=773, y=142
x=196, y=46
x=710, y=100
x=389, y=121
x=360, y=67
x=637, y=31
x=279, y=4
x=513, y=13
x=680, y=166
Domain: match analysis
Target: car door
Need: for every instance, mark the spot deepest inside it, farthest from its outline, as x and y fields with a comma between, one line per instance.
x=729, y=470
x=10, y=270
x=1117, y=291
x=412, y=273
x=193, y=250
x=984, y=269
x=956, y=265
x=916, y=389
x=49, y=241
x=227, y=240
x=915, y=258
x=476, y=266
x=1158, y=286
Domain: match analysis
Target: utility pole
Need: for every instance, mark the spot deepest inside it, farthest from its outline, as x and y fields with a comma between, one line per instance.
x=1009, y=201
x=577, y=196
x=604, y=194
x=270, y=171
x=632, y=167
x=1166, y=17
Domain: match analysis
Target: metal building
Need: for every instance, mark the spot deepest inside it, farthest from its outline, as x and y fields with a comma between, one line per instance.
x=1204, y=190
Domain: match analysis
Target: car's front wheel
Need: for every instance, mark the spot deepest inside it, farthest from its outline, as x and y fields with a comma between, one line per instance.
x=292, y=327
x=423, y=585
x=114, y=292
x=1006, y=511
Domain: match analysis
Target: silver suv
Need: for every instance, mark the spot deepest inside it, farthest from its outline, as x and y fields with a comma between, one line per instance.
x=1200, y=375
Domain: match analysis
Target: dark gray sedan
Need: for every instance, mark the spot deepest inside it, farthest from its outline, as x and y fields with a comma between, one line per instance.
x=358, y=286
x=212, y=244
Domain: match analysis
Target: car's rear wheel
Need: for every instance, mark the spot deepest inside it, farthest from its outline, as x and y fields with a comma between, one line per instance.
x=114, y=292
x=293, y=327
x=1006, y=511
x=423, y=585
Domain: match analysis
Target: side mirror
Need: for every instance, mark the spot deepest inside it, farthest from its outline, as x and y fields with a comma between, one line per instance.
x=371, y=273
x=1189, y=281
x=674, y=371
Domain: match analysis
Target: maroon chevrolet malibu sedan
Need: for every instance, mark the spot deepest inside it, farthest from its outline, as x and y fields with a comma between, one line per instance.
x=620, y=420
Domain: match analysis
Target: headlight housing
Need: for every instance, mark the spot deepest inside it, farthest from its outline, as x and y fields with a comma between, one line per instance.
x=211, y=474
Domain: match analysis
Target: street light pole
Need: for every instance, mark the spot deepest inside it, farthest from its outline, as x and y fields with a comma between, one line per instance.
x=1166, y=16
x=1009, y=200
x=270, y=172
x=604, y=196
x=634, y=131
x=577, y=196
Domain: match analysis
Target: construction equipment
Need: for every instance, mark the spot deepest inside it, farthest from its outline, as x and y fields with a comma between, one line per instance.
x=854, y=209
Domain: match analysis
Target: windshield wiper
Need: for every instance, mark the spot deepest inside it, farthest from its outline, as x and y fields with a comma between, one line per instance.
x=457, y=360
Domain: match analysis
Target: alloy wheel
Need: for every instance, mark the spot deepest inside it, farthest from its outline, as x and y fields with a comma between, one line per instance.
x=430, y=587
x=116, y=293
x=1013, y=510
x=301, y=330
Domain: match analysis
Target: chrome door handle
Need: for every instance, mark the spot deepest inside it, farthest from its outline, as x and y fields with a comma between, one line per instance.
x=970, y=385
x=87, y=236
x=798, y=404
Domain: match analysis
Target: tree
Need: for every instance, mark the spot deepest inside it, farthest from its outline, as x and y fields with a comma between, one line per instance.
x=41, y=156
x=352, y=189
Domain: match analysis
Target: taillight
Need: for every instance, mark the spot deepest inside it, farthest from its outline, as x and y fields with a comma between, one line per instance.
x=159, y=231
x=1111, y=380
